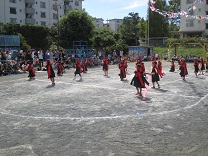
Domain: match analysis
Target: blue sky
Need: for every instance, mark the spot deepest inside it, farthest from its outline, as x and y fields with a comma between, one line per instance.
x=110, y=9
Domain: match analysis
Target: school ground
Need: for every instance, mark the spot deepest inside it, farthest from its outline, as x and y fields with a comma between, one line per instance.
x=102, y=116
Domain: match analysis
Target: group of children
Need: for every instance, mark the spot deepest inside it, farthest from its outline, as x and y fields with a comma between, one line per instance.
x=199, y=67
x=139, y=80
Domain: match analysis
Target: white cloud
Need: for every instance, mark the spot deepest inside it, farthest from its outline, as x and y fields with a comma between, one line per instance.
x=134, y=4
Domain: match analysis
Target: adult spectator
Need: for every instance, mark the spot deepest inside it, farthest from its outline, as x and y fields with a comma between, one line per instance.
x=121, y=53
x=40, y=57
x=56, y=54
x=29, y=55
x=61, y=56
x=47, y=55
x=3, y=56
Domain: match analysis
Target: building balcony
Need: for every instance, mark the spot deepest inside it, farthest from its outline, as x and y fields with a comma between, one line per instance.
x=29, y=10
x=206, y=7
x=68, y=7
x=30, y=1
x=29, y=21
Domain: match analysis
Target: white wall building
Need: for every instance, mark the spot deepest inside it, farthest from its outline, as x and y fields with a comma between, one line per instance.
x=193, y=25
x=98, y=22
x=40, y=12
x=114, y=24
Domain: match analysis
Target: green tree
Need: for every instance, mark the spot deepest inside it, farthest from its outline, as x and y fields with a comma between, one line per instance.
x=76, y=25
x=103, y=39
x=36, y=36
x=130, y=29
x=23, y=43
x=143, y=28
x=158, y=24
x=174, y=7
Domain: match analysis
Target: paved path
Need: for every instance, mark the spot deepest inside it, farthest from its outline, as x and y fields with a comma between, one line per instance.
x=102, y=116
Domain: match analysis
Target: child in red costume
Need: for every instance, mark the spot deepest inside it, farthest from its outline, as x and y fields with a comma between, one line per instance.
x=122, y=67
x=31, y=71
x=78, y=70
x=50, y=71
x=139, y=80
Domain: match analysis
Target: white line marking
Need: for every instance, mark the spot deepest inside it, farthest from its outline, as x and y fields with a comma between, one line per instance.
x=105, y=117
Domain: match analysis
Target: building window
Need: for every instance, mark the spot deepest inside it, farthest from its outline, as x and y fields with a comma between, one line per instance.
x=55, y=16
x=206, y=25
x=42, y=5
x=76, y=3
x=43, y=15
x=20, y=21
x=118, y=21
x=12, y=1
x=13, y=11
x=43, y=23
x=189, y=23
x=20, y=10
x=199, y=21
x=206, y=12
x=13, y=20
x=189, y=1
x=206, y=1
x=199, y=9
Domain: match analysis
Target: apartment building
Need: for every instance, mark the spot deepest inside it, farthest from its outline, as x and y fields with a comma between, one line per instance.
x=194, y=24
x=112, y=24
x=98, y=22
x=39, y=12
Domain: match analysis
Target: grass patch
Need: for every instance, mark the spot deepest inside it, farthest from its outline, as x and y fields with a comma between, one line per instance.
x=184, y=51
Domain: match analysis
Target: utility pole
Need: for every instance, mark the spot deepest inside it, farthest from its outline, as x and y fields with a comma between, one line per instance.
x=148, y=34
x=55, y=7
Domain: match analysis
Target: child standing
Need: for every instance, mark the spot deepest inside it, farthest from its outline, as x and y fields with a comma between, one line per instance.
x=105, y=66
x=207, y=65
x=139, y=80
x=78, y=70
x=155, y=75
x=183, y=69
x=172, y=67
x=84, y=66
x=202, y=67
x=122, y=70
x=50, y=72
x=31, y=71
x=196, y=67
x=60, y=68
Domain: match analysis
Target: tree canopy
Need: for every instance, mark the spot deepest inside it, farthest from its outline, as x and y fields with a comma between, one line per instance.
x=158, y=24
x=130, y=29
x=76, y=25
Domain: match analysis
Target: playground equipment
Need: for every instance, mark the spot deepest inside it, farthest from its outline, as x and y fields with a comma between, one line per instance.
x=80, y=50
